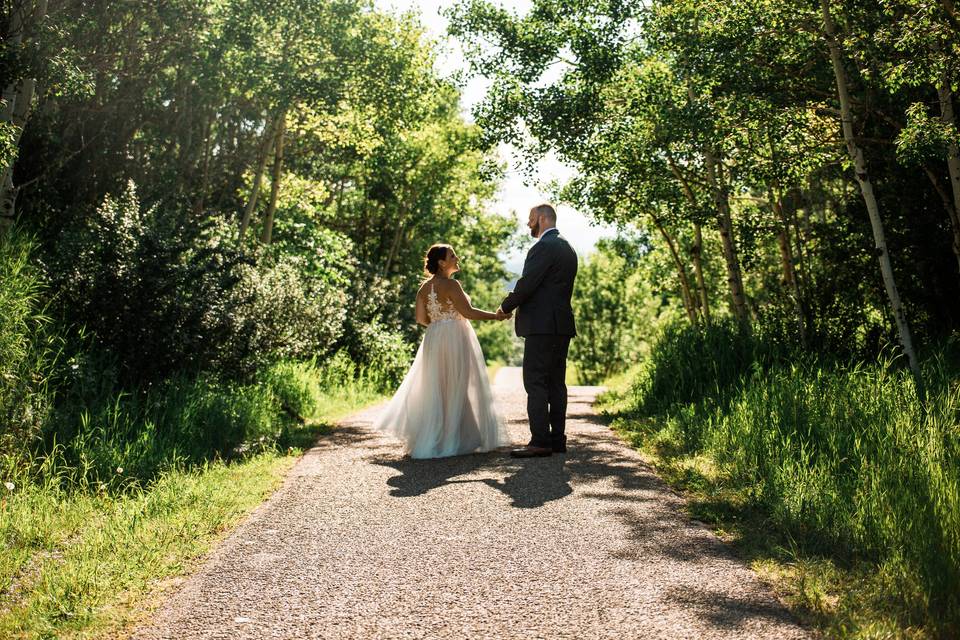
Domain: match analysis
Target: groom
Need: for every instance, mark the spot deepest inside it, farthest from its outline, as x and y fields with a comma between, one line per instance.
x=545, y=321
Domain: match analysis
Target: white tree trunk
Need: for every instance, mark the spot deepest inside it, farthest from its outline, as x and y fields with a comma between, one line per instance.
x=689, y=302
x=787, y=263
x=738, y=299
x=18, y=98
x=698, y=271
x=703, y=301
x=866, y=189
x=266, y=144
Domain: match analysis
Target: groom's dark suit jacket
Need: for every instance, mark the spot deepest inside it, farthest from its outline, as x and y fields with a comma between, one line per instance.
x=543, y=292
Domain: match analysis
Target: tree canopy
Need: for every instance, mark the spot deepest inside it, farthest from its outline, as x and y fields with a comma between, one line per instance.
x=791, y=143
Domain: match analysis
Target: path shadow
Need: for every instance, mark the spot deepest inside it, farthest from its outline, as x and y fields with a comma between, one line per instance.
x=532, y=483
x=600, y=467
x=343, y=435
x=668, y=531
x=730, y=612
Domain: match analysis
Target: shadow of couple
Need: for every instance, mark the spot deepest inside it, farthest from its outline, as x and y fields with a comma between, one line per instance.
x=528, y=483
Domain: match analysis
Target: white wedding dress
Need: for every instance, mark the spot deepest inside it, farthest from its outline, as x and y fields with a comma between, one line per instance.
x=444, y=406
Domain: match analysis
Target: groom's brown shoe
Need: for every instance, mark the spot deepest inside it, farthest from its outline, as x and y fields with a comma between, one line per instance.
x=531, y=452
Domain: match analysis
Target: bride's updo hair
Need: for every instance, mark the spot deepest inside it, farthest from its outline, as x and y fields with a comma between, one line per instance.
x=431, y=261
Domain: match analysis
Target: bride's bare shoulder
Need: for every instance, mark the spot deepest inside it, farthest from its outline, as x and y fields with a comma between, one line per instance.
x=424, y=289
x=447, y=286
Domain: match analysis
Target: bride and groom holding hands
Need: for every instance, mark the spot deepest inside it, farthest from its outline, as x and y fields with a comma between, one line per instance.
x=444, y=406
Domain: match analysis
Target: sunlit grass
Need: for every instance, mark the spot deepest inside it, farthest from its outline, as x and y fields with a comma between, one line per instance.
x=84, y=562
x=833, y=482
x=85, y=556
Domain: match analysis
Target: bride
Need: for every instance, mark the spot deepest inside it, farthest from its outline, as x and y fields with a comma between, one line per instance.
x=444, y=406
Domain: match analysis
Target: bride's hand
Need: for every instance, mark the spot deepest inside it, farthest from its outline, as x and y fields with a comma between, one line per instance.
x=501, y=315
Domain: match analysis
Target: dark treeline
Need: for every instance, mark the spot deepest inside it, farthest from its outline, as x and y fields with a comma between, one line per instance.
x=208, y=188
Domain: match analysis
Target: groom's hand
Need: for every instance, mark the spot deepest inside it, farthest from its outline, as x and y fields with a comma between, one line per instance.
x=502, y=315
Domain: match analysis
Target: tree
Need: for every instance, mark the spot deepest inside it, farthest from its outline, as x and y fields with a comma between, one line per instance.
x=23, y=20
x=737, y=130
x=866, y=188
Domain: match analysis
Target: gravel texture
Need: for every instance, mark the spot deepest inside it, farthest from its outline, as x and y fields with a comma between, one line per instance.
x=361, y=542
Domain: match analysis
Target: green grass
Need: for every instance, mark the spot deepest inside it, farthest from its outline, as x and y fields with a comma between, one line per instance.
x=28, y=347
x=84, y=563
x=85, y=555
x=831, y=480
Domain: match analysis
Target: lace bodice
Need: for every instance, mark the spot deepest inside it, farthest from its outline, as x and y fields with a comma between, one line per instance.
x=438, y=311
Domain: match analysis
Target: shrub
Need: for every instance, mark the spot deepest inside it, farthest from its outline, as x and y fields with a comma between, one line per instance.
x=382, y=354
x=156, y=293
x=166, y=298
x=297, y=387
x=281, y=313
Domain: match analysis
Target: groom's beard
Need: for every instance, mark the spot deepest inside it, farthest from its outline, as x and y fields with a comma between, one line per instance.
x=535, y=230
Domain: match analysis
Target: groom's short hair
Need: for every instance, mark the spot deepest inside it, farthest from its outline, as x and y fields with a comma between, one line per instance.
x=546, y=211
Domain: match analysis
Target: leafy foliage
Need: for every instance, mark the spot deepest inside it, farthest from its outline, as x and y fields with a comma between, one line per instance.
x=923, y=139
x=281, y=312
x=610, y=300
x=326, y=122
x=712, y=127
x=155, y=293
x=765, y=159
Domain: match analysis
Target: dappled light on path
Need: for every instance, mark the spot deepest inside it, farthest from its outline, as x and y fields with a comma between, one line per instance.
x=364, y=542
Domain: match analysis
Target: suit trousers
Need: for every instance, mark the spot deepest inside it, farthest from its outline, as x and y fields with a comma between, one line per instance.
x=544, y=373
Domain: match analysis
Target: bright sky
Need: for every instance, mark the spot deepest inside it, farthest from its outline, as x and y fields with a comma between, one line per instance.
x=515, y=197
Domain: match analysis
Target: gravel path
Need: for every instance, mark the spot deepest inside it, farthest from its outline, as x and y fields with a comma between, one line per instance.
x=363, y=543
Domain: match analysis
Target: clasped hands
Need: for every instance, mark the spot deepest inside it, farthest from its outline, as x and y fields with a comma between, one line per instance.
x=502, y=315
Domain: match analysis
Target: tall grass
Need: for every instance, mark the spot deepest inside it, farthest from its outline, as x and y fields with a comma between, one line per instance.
x=27, y=349
x=842, y=459
x=98, y=429
x=693, y=364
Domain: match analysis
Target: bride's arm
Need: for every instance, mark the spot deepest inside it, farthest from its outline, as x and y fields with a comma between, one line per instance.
x=467, y=310
x=422, y=317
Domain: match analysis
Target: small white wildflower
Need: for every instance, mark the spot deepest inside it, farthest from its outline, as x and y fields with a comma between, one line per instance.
x=10, y=486
x=119, y=469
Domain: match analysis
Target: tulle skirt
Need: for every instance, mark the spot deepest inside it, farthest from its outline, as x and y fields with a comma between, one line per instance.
x=444, y=406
